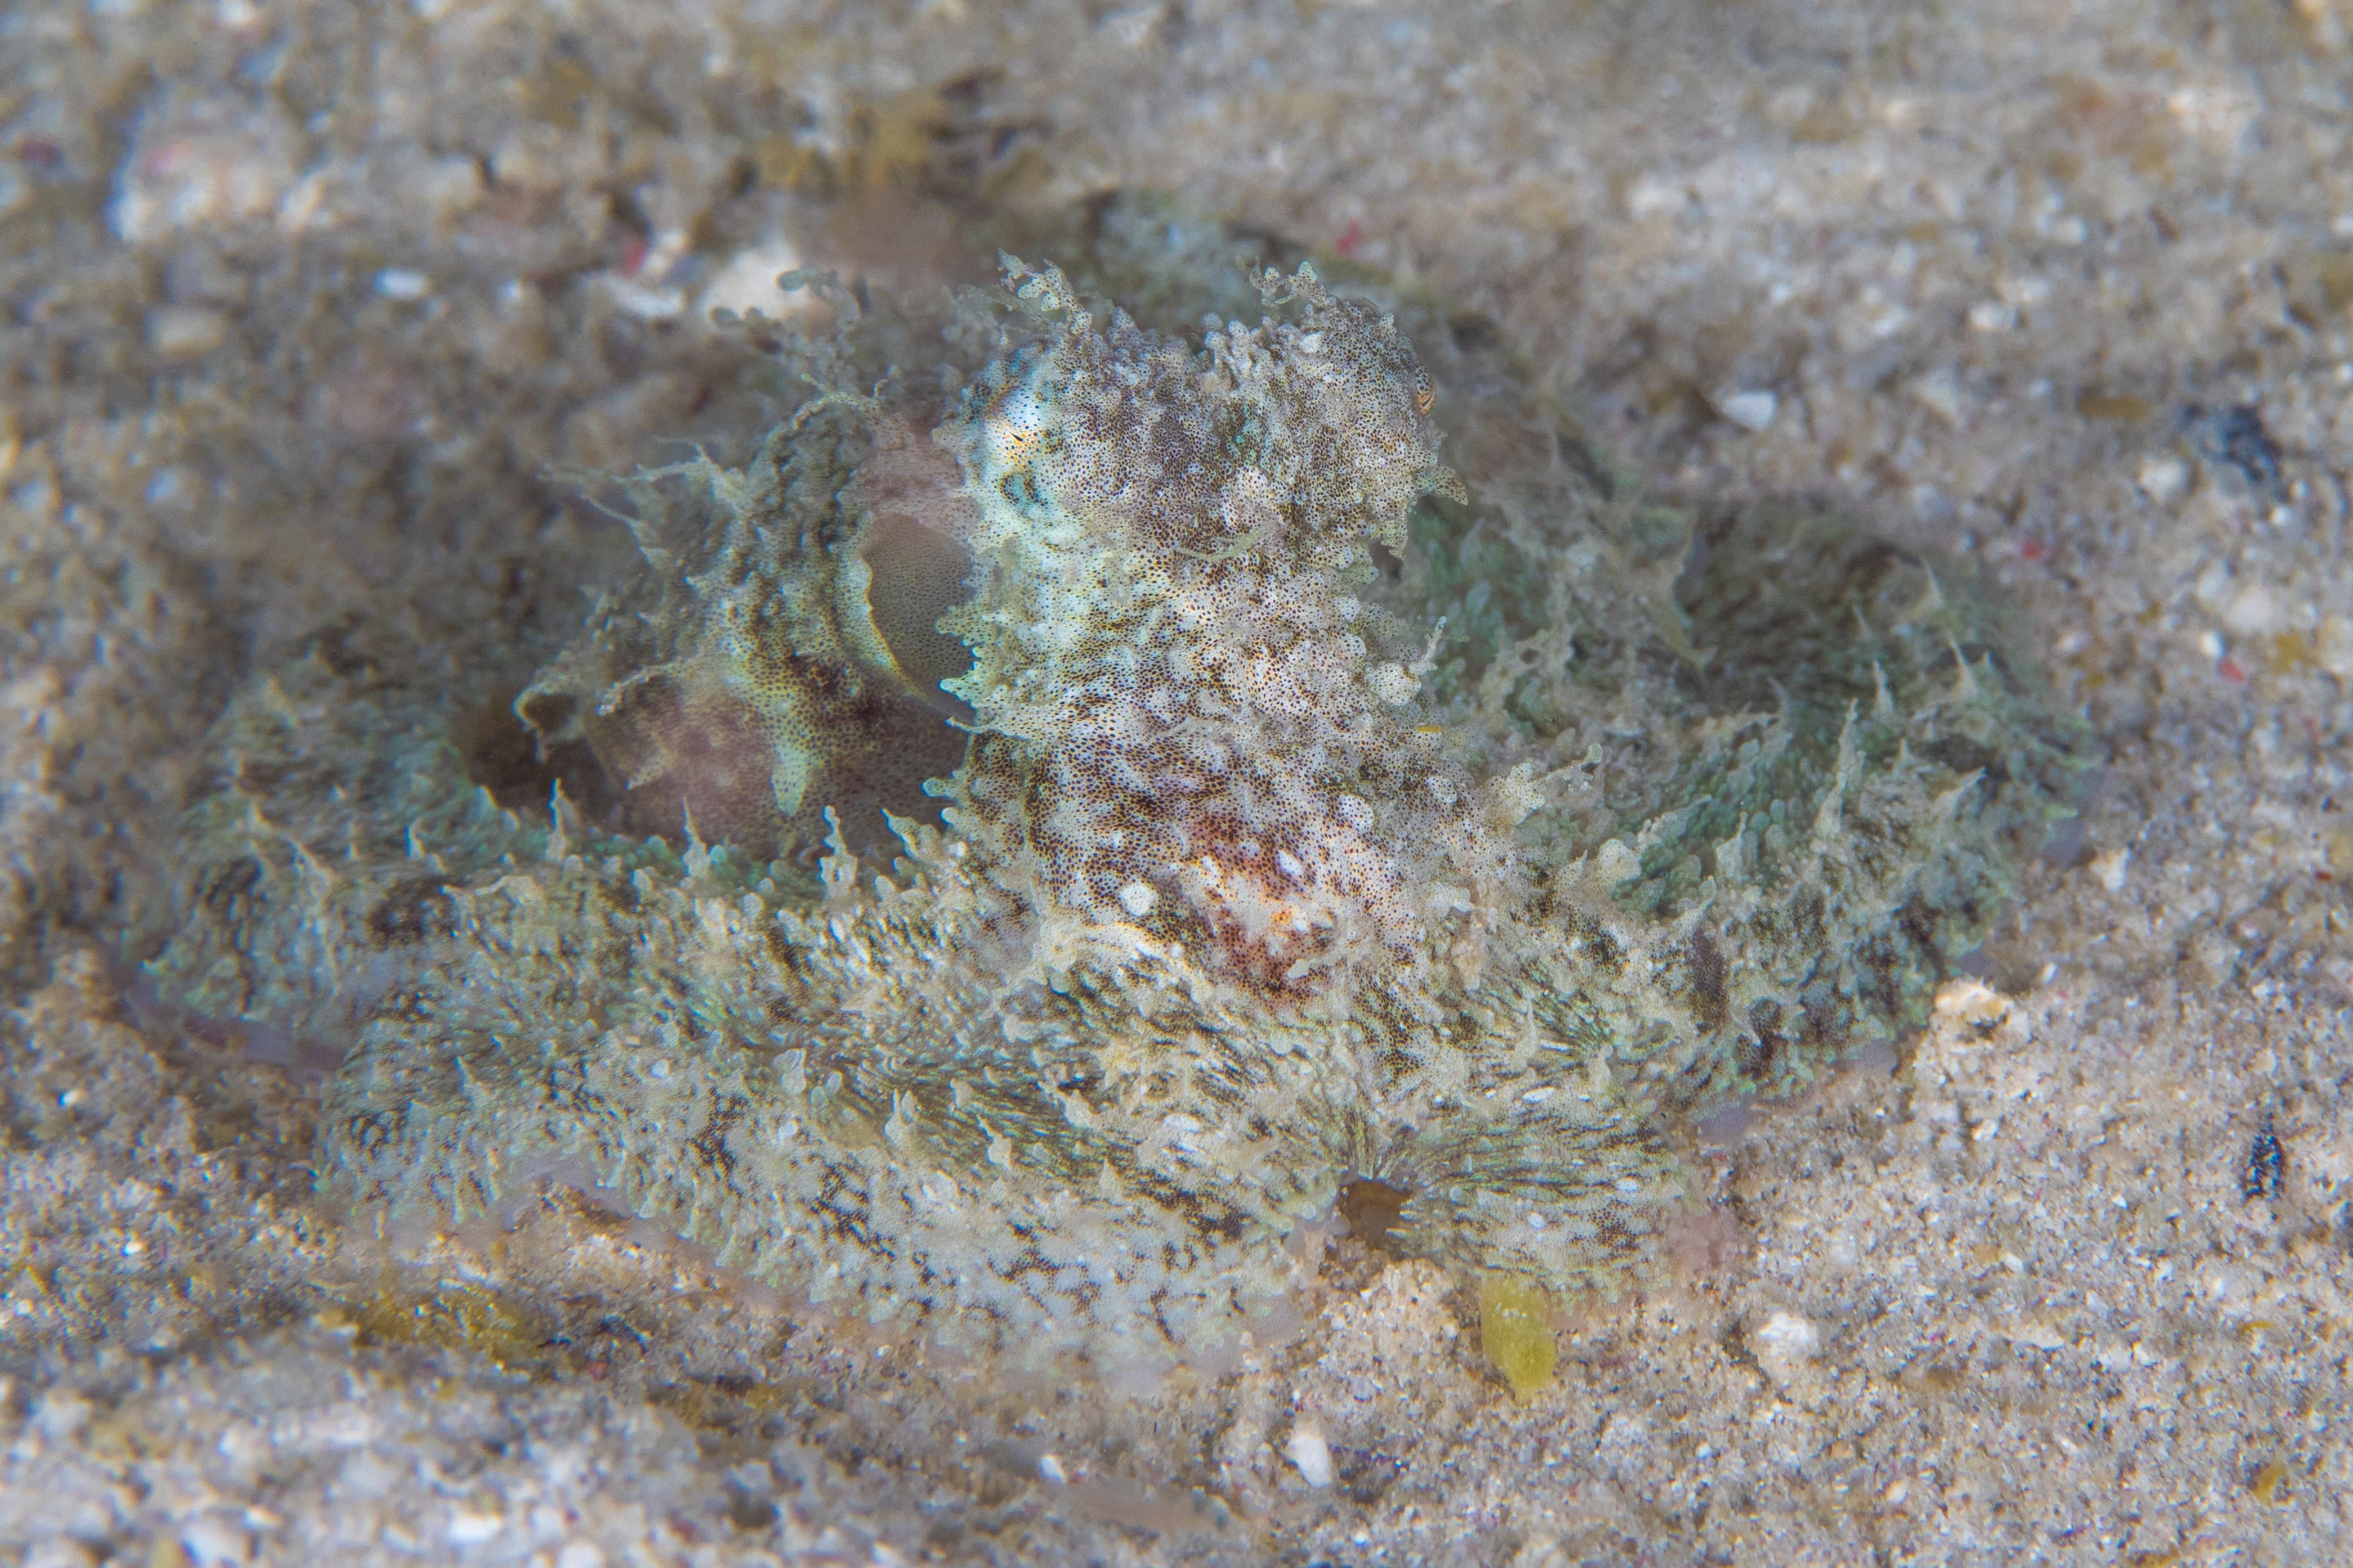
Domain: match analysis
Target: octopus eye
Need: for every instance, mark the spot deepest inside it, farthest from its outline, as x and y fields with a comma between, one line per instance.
x=1425, y=396
x=918, y=575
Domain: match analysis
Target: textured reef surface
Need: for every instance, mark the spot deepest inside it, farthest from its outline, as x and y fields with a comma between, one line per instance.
x=1085, y=800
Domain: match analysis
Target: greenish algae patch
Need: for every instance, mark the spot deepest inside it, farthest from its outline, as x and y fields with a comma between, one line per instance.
x=1516, y=1332
x=452, y=1314
x=1082, y=797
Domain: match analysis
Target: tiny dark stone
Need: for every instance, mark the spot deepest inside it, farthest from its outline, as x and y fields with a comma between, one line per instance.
x=750, y=1513
x=2235, y=436
x=2266, y=1166
x=1364, y=1474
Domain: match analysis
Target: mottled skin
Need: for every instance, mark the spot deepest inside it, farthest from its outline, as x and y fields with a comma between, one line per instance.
x=1180, y=724
x=1240, y=895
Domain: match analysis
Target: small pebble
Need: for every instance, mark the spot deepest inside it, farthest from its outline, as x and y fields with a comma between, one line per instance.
x=2163, y=478
x=449, y=188
x=746, y=282
x=469, y=1529
x=645, y=304
x=1784, y=1345
x=211, y=1540
x=1940, y=394
x=2265, y=1170
x=185, y=332
x=1312, y=1454
x=1751, y=410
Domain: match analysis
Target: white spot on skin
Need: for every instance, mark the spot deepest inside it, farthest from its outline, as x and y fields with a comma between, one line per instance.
x=1012, y=430
x=1616, y=860
x=1137, y=899
x=1393, y=684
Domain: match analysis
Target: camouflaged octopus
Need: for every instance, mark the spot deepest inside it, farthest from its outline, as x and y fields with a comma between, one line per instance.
x=1076, y=809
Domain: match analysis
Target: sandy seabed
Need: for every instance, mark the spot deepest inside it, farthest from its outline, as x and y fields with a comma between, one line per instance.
x=309, y=306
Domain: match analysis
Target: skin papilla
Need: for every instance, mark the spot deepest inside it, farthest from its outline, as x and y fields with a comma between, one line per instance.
x=1073, y=804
